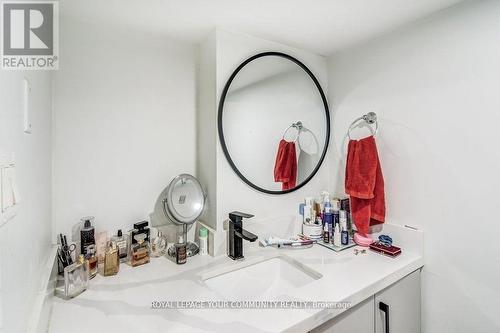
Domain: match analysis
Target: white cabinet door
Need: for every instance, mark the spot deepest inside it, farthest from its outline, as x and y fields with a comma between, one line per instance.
x=397, y=308
x=358, y=319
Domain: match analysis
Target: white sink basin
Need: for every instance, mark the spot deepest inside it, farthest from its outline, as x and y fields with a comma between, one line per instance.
x=261, y=279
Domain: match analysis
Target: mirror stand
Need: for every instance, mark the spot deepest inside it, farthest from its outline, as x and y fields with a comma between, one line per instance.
x=191, y=247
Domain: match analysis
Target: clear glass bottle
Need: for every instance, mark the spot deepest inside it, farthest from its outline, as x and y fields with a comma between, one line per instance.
x=121, y=243
x=139, y=251
x=101, y=244
x=76, y=278
x=92, y=261
x=111, y=259
x=158, y=244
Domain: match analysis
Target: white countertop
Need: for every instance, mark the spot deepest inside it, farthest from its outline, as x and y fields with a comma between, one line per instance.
x=123, y=303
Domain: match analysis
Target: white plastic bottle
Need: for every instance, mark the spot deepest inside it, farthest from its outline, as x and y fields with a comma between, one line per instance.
x=343, y=228
x=203, y=236
x=308, y=206
x=336, y=236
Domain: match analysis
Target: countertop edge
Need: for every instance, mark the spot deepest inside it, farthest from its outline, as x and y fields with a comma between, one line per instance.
x=325, y=315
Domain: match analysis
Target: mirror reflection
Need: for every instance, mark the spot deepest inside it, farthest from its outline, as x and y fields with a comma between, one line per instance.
x=274, y=123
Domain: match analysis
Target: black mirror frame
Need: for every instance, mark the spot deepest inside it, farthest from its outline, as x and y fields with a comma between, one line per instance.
x=221, y=130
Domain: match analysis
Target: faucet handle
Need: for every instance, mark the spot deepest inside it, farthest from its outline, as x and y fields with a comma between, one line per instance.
x=238, y=216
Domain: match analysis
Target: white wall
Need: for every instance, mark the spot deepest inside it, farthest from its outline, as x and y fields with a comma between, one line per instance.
x=435, y=86
x=25, y=240
x=271, y=211
x=123, y=123
x=206, y=127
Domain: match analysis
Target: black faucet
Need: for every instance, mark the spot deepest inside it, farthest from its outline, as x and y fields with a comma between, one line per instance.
x=237, y=234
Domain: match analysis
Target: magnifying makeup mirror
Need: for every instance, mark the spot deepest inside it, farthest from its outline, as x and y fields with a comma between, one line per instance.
x=182, y=202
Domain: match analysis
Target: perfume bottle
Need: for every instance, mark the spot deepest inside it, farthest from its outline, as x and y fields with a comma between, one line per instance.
x=101, y=244
x=158, y=245
x=140, y=228
x=180, y=251
x=121, y=244
x=76, y=278
x=139, y=250
x=91, y=258
x=111, y=259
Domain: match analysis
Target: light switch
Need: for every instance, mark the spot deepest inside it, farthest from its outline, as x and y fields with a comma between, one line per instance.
x=9, y=193
x=15, y=189
x=27, y=106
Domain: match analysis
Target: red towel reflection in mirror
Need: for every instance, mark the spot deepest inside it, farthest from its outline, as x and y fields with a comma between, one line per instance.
x=285, y=167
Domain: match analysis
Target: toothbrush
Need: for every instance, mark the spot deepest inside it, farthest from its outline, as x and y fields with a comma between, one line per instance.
x=279, y=241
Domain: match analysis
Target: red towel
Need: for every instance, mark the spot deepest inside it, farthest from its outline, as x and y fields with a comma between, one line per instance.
x=364, y=183
x=285, y=167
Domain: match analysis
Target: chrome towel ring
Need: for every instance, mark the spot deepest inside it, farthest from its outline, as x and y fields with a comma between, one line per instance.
x=369, y=118
x=298, y=126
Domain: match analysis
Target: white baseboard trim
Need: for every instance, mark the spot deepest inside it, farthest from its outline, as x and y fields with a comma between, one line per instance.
x=40, y=314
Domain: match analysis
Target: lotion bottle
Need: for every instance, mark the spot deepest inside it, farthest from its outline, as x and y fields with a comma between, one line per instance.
x=203, y=237
x=328, y=217
x=336, y=236
x=308, y=210
x=343, y=226
x=87, y=234
x=326, y=234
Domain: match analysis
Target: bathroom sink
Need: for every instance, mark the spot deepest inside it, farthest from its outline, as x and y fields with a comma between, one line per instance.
x=263, y=278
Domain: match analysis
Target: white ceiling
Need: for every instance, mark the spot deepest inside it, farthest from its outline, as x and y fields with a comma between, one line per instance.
x=321, y=26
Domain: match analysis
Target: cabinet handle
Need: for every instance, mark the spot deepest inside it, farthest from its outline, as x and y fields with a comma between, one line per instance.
x=385, y=309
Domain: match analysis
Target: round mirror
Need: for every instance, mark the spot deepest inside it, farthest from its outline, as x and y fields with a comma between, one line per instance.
x=274, y=123
x=184, y=200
